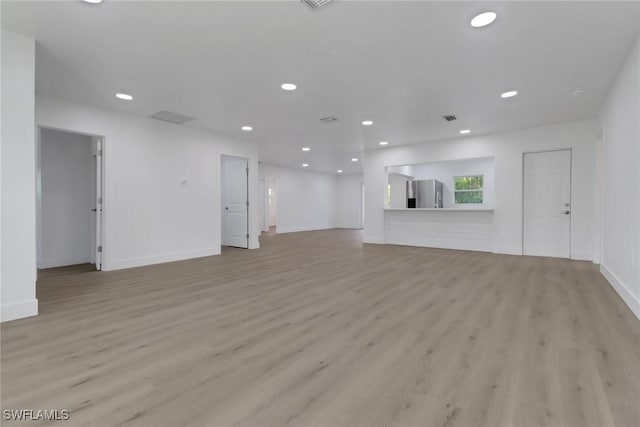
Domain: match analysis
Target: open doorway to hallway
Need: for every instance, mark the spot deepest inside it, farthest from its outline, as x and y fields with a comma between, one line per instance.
x=268, y=209
x=69, y=204
x=235, y=201
x=272, y=204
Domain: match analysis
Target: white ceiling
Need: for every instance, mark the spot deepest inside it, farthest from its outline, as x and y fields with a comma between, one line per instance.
x=401, y=64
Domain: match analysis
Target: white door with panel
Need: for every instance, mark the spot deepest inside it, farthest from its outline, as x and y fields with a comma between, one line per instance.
x=547, y=204
x=235, y=203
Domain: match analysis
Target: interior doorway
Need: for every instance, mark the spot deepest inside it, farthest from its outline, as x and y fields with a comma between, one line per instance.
x=69, y=200
x=362, y=205
x=547, y=204
x=262, y=205
x=272, y=203
x=235, y=201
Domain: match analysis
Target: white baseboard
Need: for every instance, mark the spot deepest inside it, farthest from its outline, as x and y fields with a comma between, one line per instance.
x=282, y=230
x=159, y=259
x=19, y=310
x=631, y=300
x=376, y=240
x=61, y=262
x=508, y=250
x=582, y=256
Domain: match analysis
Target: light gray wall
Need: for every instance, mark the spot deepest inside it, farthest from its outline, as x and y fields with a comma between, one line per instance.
x=507, y=149
x=18, y=201
x=67, y=176
x=620, y=210
x=348, y=208
x=305, y=199
x=151, y=215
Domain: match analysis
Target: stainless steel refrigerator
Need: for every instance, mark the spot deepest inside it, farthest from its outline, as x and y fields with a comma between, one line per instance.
x=426, y=193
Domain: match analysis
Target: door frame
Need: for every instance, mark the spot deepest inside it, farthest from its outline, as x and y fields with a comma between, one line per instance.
x=361, y=206
x=99, y=233
x=570, y=194
x=262, y=199
x=268, y=206
x=223, y=197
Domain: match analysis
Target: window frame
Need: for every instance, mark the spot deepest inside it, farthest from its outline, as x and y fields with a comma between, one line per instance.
x=468, y=190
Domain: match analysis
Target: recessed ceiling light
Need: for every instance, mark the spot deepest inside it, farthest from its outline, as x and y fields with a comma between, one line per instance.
x=367, y=123
x=247, y=128
x=92, y=1
x=465, y=131
x=304, y=165
x=483, y=19
x=306, y=149
x=355, y=159
x=509, y=94
x=288, y=86
x=339, y=171
x=124, y=96
x=577, y=91
x=383, y=143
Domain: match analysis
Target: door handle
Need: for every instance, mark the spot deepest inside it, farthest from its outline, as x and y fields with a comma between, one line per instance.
x=94, y=210
x=566, y=212
x=226, y=208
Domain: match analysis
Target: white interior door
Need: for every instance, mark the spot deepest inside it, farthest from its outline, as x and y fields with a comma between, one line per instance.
x=98, y=205
x=235, y=203
x=547, y=204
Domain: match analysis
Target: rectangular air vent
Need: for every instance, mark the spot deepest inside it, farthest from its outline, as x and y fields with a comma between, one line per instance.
x=316, y=4
x=449, y=117
x=328, y=119
x=171, y=117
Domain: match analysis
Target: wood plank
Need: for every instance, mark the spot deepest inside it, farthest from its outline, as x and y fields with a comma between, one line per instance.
x=316, y=329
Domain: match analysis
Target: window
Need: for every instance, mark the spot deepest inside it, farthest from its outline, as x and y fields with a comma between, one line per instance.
x=468, y=189
x=388, y=200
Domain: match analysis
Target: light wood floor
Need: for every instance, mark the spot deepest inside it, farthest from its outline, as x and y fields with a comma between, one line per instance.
x=317, y=330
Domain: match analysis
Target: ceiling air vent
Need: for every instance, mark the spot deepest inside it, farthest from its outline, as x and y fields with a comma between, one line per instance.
x=168, y=116
x=316, y=4
x=328, y=119
x=449, y=117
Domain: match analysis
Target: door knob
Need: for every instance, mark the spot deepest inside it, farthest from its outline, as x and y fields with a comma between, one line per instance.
x=566, y=212
x=226, y=207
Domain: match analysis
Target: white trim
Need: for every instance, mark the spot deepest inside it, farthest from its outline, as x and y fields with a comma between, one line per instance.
x=158, y=259
x=440, y=209
x=374, y=240
x=582, y=255
x=61, y=262
x=281, y=230
x=19, y=310
x=481, y=189
x=631, y=300
x=508, y=250
x=446, y=245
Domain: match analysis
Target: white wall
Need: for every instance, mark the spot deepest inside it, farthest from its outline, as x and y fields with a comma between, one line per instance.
x=18, y=253
x=67, y=196
x=507, y=150
x=305, y=199
x=150, y=216
x=349, y=201
x=620, y=210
